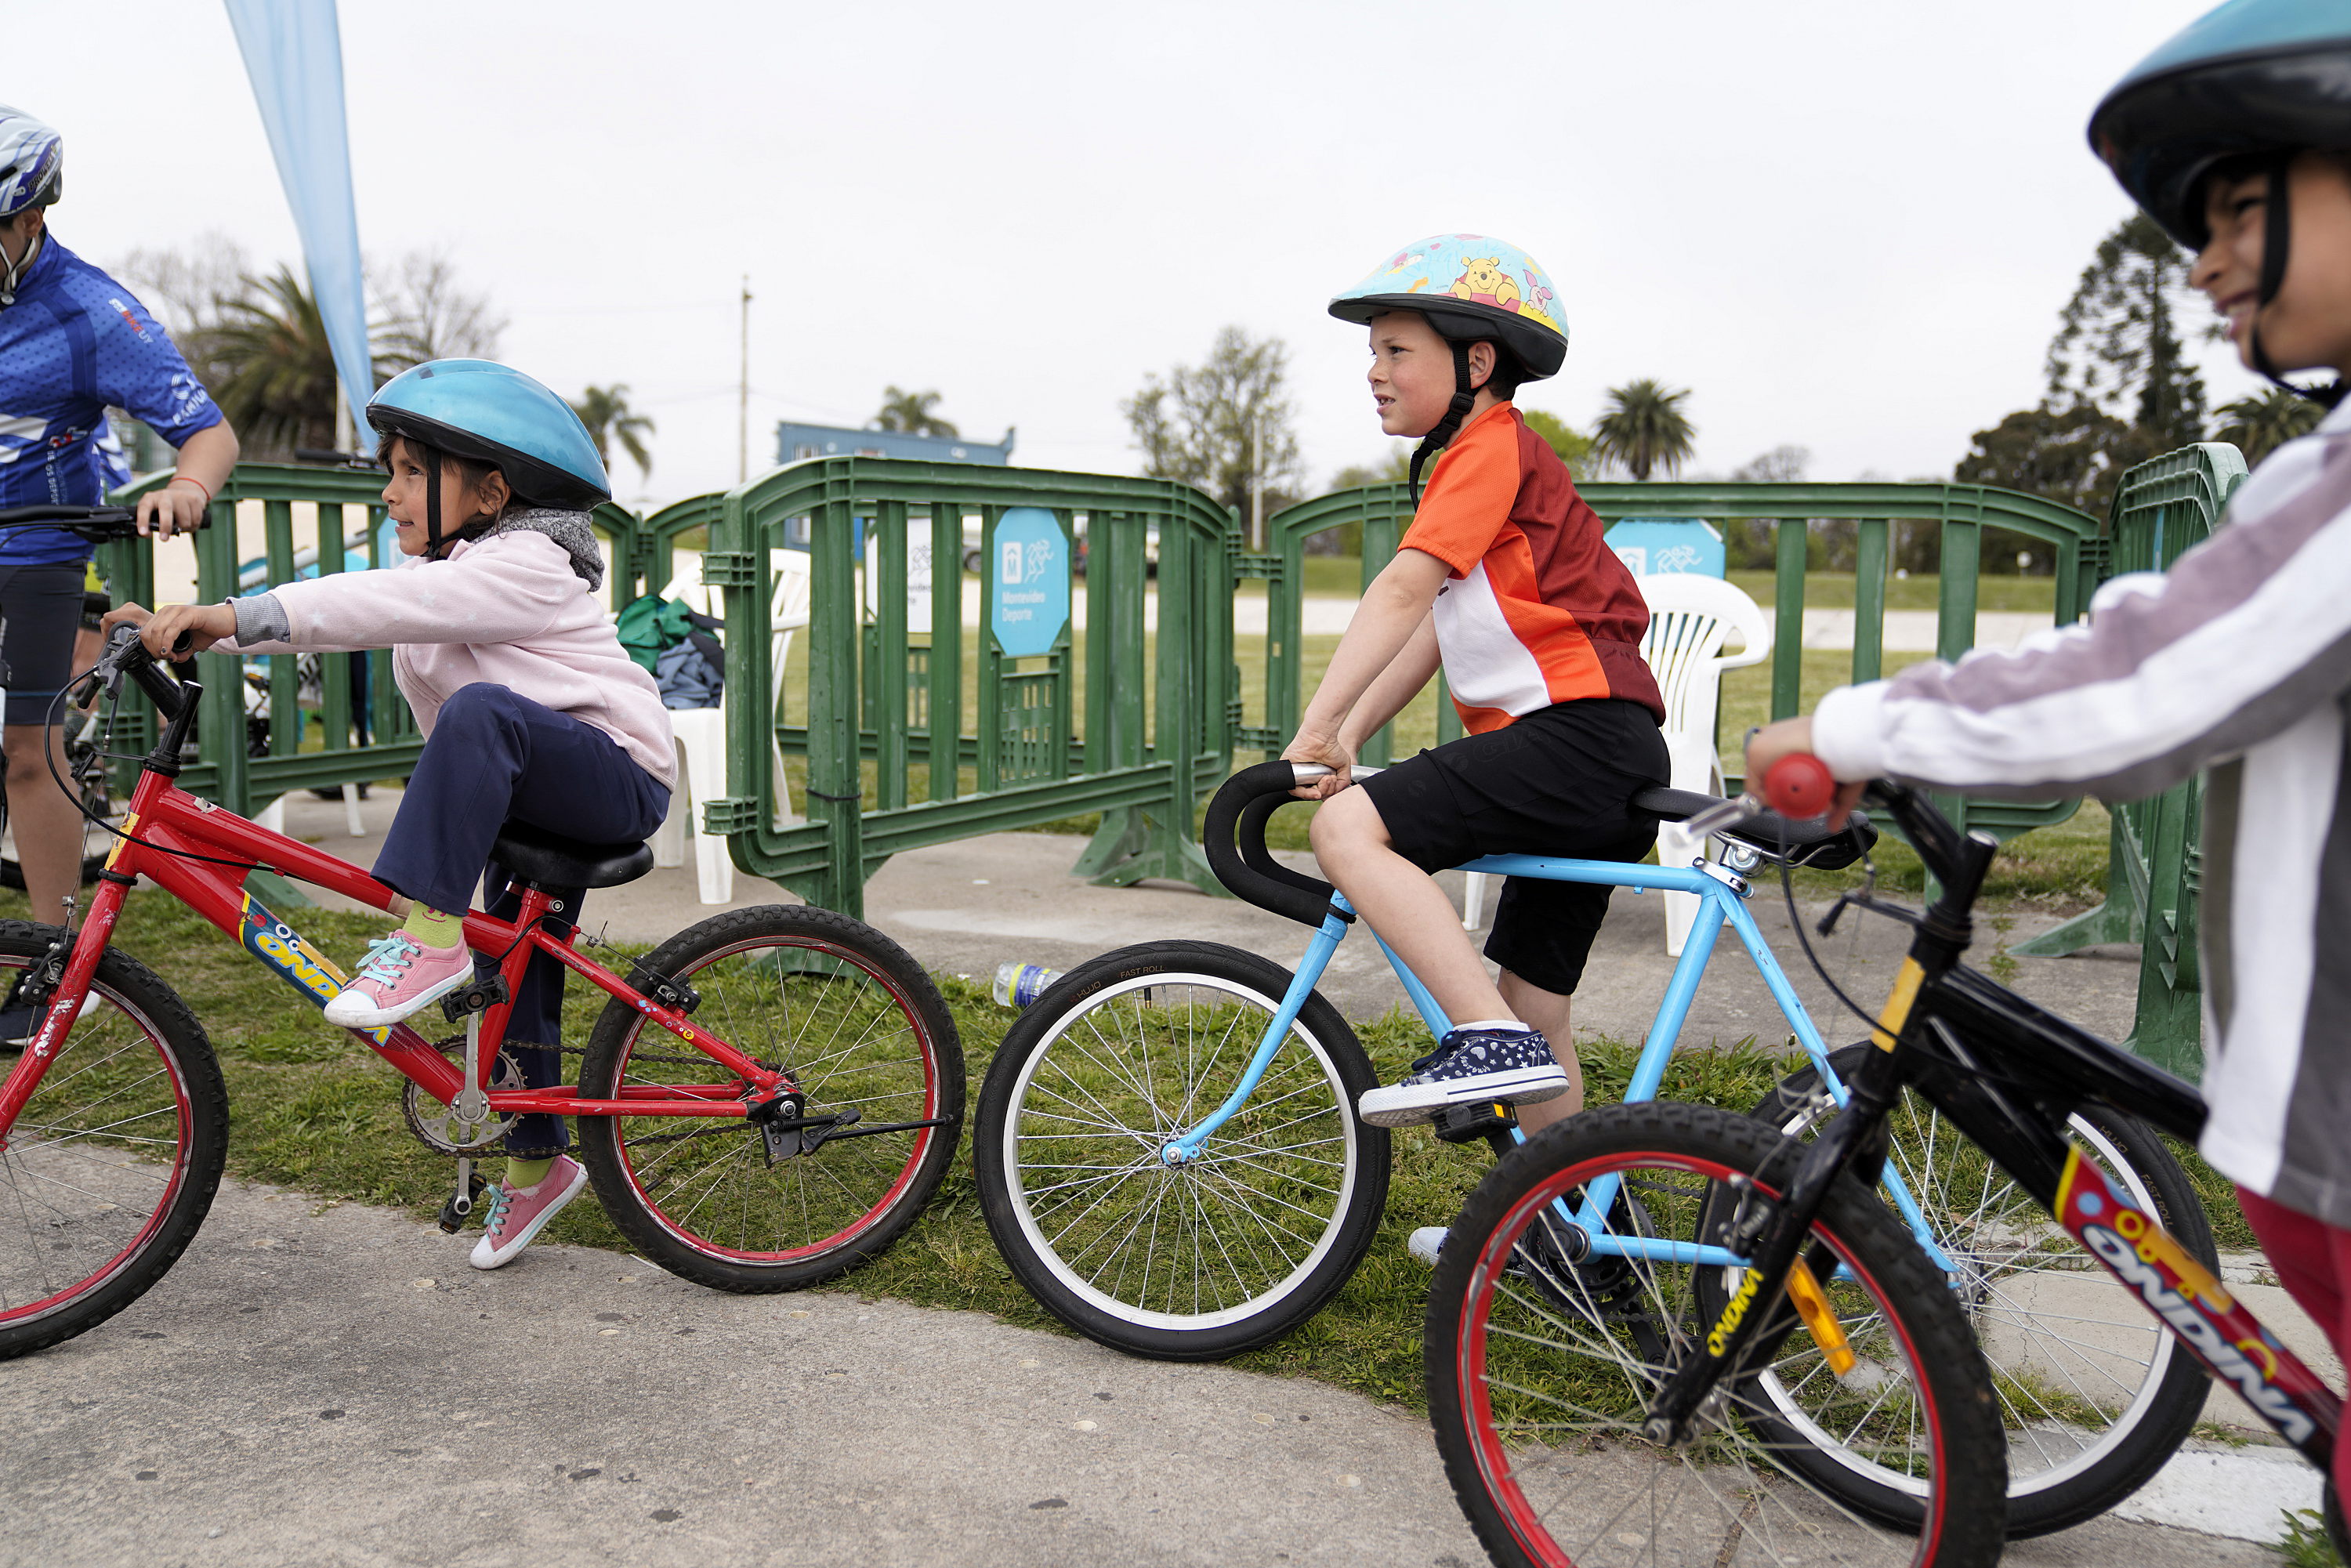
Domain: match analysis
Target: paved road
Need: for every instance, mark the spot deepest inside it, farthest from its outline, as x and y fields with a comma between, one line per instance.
x=335, y=1386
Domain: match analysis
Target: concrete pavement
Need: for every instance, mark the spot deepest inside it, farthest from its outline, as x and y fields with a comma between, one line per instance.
x=332, y=1384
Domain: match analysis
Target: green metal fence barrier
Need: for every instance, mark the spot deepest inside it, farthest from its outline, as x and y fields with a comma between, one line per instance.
x=1961, y=513
x=341, y=696
x=2155, y=868
x=1154, y=734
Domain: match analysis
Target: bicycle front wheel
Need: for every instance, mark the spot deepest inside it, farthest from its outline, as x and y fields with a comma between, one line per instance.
x=859, y=1025
x=2095, y=1394
x=110, y=1168
x=1200, y=1259
x=1541, y=1364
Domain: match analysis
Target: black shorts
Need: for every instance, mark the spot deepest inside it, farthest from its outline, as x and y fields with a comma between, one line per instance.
x=1559, y=781
x=42, y=606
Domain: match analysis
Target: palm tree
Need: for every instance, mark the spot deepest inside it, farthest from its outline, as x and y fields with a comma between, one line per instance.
x=1644, y=428
x=273, y=368
x=909, y=414
x=2258, y=427
x=606, y=413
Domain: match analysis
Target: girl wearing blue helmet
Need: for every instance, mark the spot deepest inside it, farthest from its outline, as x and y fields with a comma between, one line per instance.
x=2236, y=137
x=532, y=711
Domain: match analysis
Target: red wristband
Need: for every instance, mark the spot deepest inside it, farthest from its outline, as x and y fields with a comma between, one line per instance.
x=199, y=484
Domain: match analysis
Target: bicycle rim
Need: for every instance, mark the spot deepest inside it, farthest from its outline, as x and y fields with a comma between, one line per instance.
x=97, y=1171
x=1227, y=1238
x=1550, y=1367
x=854, y=1038
x=2086, y=1382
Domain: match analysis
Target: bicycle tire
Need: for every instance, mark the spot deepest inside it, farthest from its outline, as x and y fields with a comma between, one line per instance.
x=1539, y=1374
x=111, y=1167
x=1260, y=1235
x=859, y=1025
x=2089, y=1418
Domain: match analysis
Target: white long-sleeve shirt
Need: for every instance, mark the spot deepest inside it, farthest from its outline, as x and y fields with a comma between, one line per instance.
x=2237, y=660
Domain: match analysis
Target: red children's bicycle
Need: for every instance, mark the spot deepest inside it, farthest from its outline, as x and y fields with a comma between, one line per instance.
x=768, y=1099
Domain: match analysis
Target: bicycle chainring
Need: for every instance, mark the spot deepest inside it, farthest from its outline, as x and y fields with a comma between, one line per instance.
x=436, y=1127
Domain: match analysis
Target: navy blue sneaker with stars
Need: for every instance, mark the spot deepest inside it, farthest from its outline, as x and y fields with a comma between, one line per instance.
x=1478, y=1063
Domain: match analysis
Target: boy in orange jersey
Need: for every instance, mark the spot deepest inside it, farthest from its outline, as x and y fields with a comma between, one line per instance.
x=1503, y=578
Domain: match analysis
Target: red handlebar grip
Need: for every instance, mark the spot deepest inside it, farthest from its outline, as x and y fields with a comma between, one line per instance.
x=1799, y=784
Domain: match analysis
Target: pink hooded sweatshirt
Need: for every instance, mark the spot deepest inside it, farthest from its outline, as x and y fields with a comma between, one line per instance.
x=508, y=610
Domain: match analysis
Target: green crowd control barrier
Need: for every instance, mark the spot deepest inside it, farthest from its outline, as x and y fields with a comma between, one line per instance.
x=287, y=722
x=2154, y=869
x=906, y=741
x=1961, y=512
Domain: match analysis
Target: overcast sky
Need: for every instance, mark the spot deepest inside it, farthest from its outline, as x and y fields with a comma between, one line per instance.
x=1848, y=226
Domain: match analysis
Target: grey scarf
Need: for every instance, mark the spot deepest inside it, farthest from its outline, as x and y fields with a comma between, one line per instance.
x=570, y=530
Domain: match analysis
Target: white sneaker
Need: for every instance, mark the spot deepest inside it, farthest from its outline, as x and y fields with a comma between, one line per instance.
x=1426, y=1242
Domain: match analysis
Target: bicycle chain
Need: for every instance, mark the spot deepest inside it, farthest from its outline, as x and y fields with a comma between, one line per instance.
x=724, y=1127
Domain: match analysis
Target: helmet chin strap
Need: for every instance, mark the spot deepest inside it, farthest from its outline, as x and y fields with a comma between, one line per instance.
x=433, y=503
x=13, y=272
x=2277, y=237
x=1464, y=397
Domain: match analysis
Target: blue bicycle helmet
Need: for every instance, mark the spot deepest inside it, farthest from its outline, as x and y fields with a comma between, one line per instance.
x=492, y=414
x=2250, y=85
x=32, y=162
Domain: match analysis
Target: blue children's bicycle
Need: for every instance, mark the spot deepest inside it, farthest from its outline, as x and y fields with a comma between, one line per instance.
x=1168, y=1158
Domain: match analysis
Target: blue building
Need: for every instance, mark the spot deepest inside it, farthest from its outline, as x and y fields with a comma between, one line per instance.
x=797, y=443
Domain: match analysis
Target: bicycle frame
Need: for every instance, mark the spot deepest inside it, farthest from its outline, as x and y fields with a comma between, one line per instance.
x=163, y=818
x=1722, y=896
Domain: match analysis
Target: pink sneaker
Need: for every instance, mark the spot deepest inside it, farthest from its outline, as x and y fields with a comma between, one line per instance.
x=517, y=1216
x=398, y=976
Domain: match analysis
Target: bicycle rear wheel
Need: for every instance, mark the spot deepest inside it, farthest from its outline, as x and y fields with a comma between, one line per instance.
x=2095, y=1394
x=1541, y=1370
x=110, y=1168
x=1201, y=1259
x=859, y=1025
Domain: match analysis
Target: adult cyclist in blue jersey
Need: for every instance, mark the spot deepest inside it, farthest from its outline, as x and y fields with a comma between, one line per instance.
x=73, y=343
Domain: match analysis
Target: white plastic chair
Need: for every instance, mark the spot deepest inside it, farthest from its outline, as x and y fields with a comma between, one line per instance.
x=1690, y=619
x=701, y=732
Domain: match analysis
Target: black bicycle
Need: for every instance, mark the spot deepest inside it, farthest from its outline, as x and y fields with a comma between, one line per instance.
x=1667, y=1331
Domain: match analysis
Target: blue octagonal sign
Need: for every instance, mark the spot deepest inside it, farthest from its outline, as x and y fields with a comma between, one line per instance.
x=1028, y=581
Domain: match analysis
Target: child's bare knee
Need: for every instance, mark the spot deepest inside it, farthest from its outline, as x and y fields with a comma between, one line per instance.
x=1347, y=821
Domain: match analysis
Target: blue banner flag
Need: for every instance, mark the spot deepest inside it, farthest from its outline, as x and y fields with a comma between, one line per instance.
x=294, y=53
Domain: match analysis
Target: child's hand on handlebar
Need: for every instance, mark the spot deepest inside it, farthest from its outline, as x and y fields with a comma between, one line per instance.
x=1793, y=737
x=176, y=630
x=1327, y=751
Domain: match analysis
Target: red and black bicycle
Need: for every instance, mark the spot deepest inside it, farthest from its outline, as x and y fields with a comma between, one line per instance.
x=768, y=1099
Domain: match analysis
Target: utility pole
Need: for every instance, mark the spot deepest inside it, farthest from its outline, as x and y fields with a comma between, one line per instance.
x=743, y=395
x=1257, y=479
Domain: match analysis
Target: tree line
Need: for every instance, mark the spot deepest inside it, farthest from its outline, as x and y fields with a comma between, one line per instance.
x=258, y=342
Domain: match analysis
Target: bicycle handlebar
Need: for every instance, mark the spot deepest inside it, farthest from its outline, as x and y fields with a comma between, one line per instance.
x=98, y=524
x=1800, y=783
x=126, y=654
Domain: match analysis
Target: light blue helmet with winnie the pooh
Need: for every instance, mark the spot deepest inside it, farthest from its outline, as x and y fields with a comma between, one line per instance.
x=1469, y=287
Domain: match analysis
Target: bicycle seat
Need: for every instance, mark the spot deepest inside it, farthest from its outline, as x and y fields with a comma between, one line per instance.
x=1780, y=838
x=537, y=857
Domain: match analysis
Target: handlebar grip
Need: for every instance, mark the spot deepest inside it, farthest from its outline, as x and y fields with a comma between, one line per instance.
x=1240, y=808
x=1800, y=785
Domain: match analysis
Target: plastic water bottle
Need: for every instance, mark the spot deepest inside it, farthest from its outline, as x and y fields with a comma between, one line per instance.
x=1018, y=985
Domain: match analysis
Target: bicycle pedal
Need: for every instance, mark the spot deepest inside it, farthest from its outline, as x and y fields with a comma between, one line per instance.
x=479, y=997
x=1471, y=1123
x=453, y=1217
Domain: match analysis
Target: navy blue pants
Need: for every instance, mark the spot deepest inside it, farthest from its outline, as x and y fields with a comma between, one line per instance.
x=495, y=757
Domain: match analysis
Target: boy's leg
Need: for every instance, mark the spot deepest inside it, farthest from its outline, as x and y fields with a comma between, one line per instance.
x=1546, y=1012
x=1408, y=908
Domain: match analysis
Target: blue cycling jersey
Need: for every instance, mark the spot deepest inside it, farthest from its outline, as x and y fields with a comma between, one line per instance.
x=73, y=345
